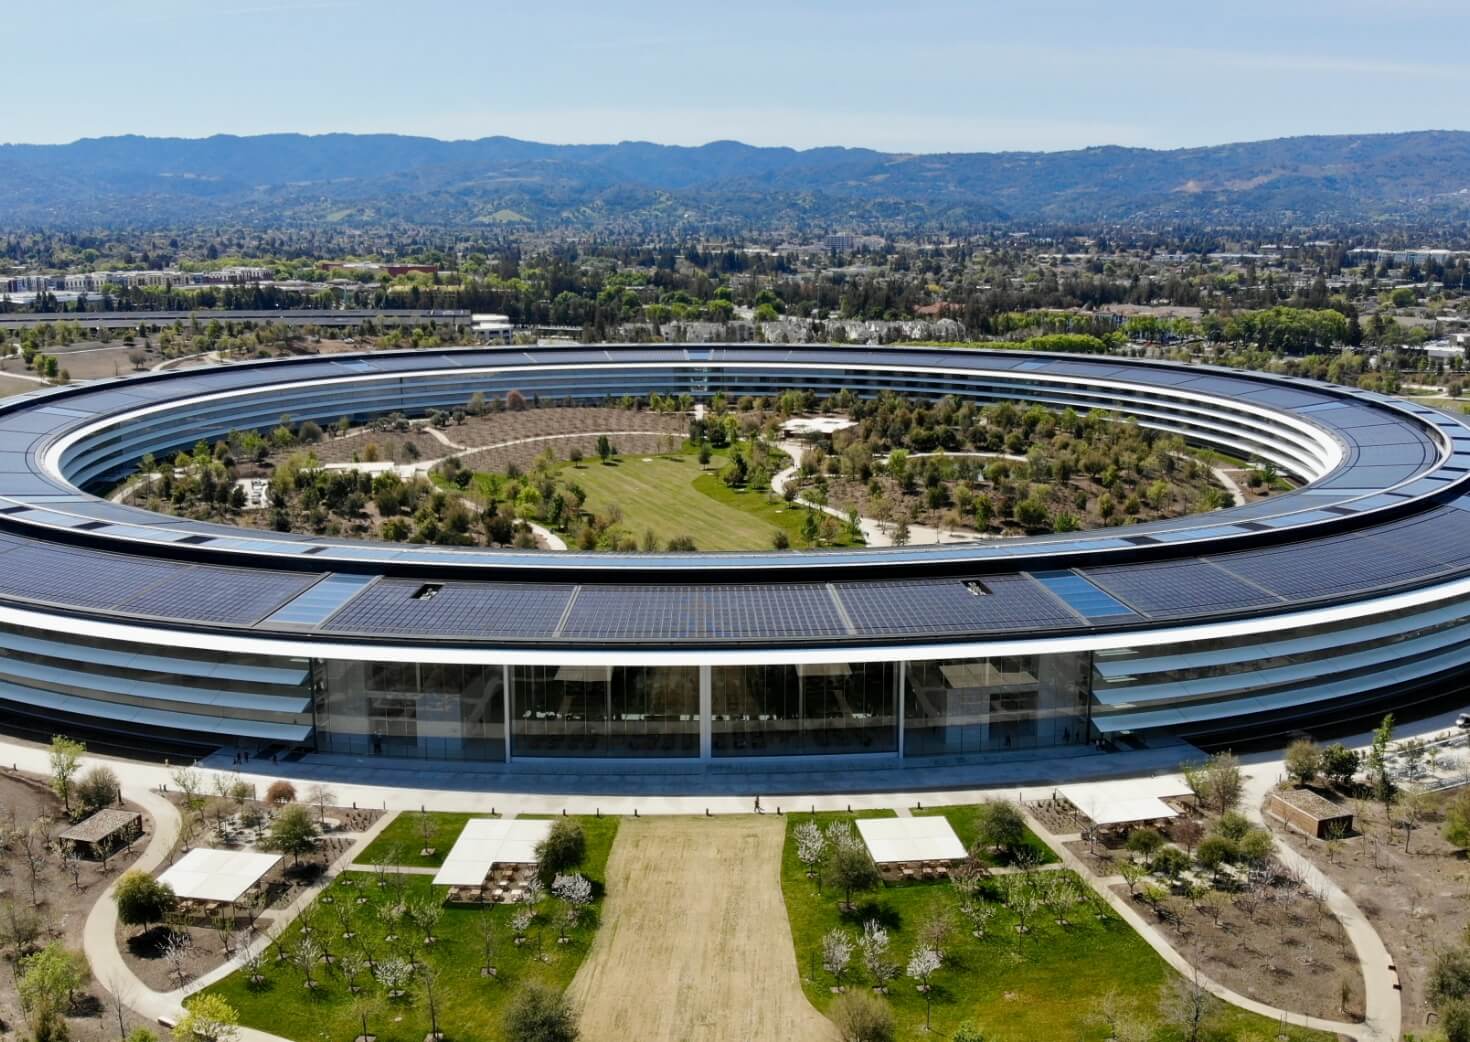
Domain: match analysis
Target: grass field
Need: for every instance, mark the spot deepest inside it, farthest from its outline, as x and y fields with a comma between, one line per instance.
x=470, y=1005
x=658, y=493
x=672, y=495
x=1044, y=985
x=403, y=839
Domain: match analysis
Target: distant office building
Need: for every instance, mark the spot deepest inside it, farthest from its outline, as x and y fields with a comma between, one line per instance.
x=492, y=329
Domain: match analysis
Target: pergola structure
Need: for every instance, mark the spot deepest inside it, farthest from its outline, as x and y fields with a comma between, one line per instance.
x=217, y=877
x=904, y=840
x=105, y=831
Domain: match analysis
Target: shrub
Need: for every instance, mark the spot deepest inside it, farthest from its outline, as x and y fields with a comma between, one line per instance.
x=208, y=1018
x=1145, y=843
x=1170, y=862
x=1233, y=826
x=1339, y=764
x=852, y=870
x=862, y=1017
x=1256, y=846
x=1449, y=980
x=1303, y=761
x=1454, y=1020
x=1457, y=819
x=1214, y=851
x=539, y=1014
x=563, y=849
x=280, y=792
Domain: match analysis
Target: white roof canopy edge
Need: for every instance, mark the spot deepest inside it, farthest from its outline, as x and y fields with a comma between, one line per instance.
x=487, y=653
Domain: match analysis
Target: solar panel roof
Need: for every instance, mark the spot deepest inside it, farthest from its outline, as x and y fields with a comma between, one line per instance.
x=1169, y=570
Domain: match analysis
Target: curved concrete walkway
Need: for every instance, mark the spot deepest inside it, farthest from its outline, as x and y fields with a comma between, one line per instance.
x=1382, y=1002
x=1366, y=1032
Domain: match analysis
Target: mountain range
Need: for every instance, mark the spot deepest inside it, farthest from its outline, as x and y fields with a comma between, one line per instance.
x=504, y=183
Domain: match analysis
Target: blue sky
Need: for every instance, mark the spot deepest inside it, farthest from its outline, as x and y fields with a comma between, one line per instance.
x=911, y=76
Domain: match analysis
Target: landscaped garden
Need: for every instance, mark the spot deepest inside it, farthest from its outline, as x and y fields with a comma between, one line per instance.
x=383, y=955
x=655, y=474
x=418, y=839
x=1015, y=956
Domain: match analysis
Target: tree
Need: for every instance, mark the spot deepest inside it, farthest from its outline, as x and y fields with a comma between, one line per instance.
x=1215, y=851
x=66, y=759
x=280, y=793
x=604, y=448
x=836, y=952
x=48, y=982
x=923, y=964
x=863, y=1017
x=1170, y=862
x=1339, y=764
x=999, y=826
x=1303, y=761
x=873, y=946
x=209, y=1018
x=1145, y=843
x=393, y=976
x=292, y=832
x=323, y=797
x=1187, y=1006
x=811, y=849
x=853, y=871
x=98, y=788
x=1457, y=820
x=1217, y=782
x=575, y=892
x=143, y=900
x=540, y=1014
x=1380, y=776
x=563, y=849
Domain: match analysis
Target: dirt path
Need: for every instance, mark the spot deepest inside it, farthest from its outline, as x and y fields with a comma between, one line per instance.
x=694, y=945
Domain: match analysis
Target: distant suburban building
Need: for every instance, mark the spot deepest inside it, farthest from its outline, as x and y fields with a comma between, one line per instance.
x=492, y=329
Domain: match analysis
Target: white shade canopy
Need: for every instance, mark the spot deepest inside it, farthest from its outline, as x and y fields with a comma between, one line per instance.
x=217, y=875
x=486, y=842
x=928, y=838
x=1128, y=801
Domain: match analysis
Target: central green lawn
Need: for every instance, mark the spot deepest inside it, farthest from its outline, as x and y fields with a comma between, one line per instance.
x=673, y=495
x=1048, y=986
x=658, y=493
x=403, y=839
x=470, y=1006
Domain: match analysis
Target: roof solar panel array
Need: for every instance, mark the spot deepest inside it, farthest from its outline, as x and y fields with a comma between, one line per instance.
x=1174, y=588
x=739, y=612
x=939, y=608
x=456, y=609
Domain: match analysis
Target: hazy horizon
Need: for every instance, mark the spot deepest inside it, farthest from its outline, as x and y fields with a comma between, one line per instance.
x=938, y=76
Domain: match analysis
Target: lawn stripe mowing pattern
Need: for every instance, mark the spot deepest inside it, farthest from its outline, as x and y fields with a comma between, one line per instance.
x=403, y=840
x=672, y=495
x=659, y=493
x=470, y=1006
x=1047, y=987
